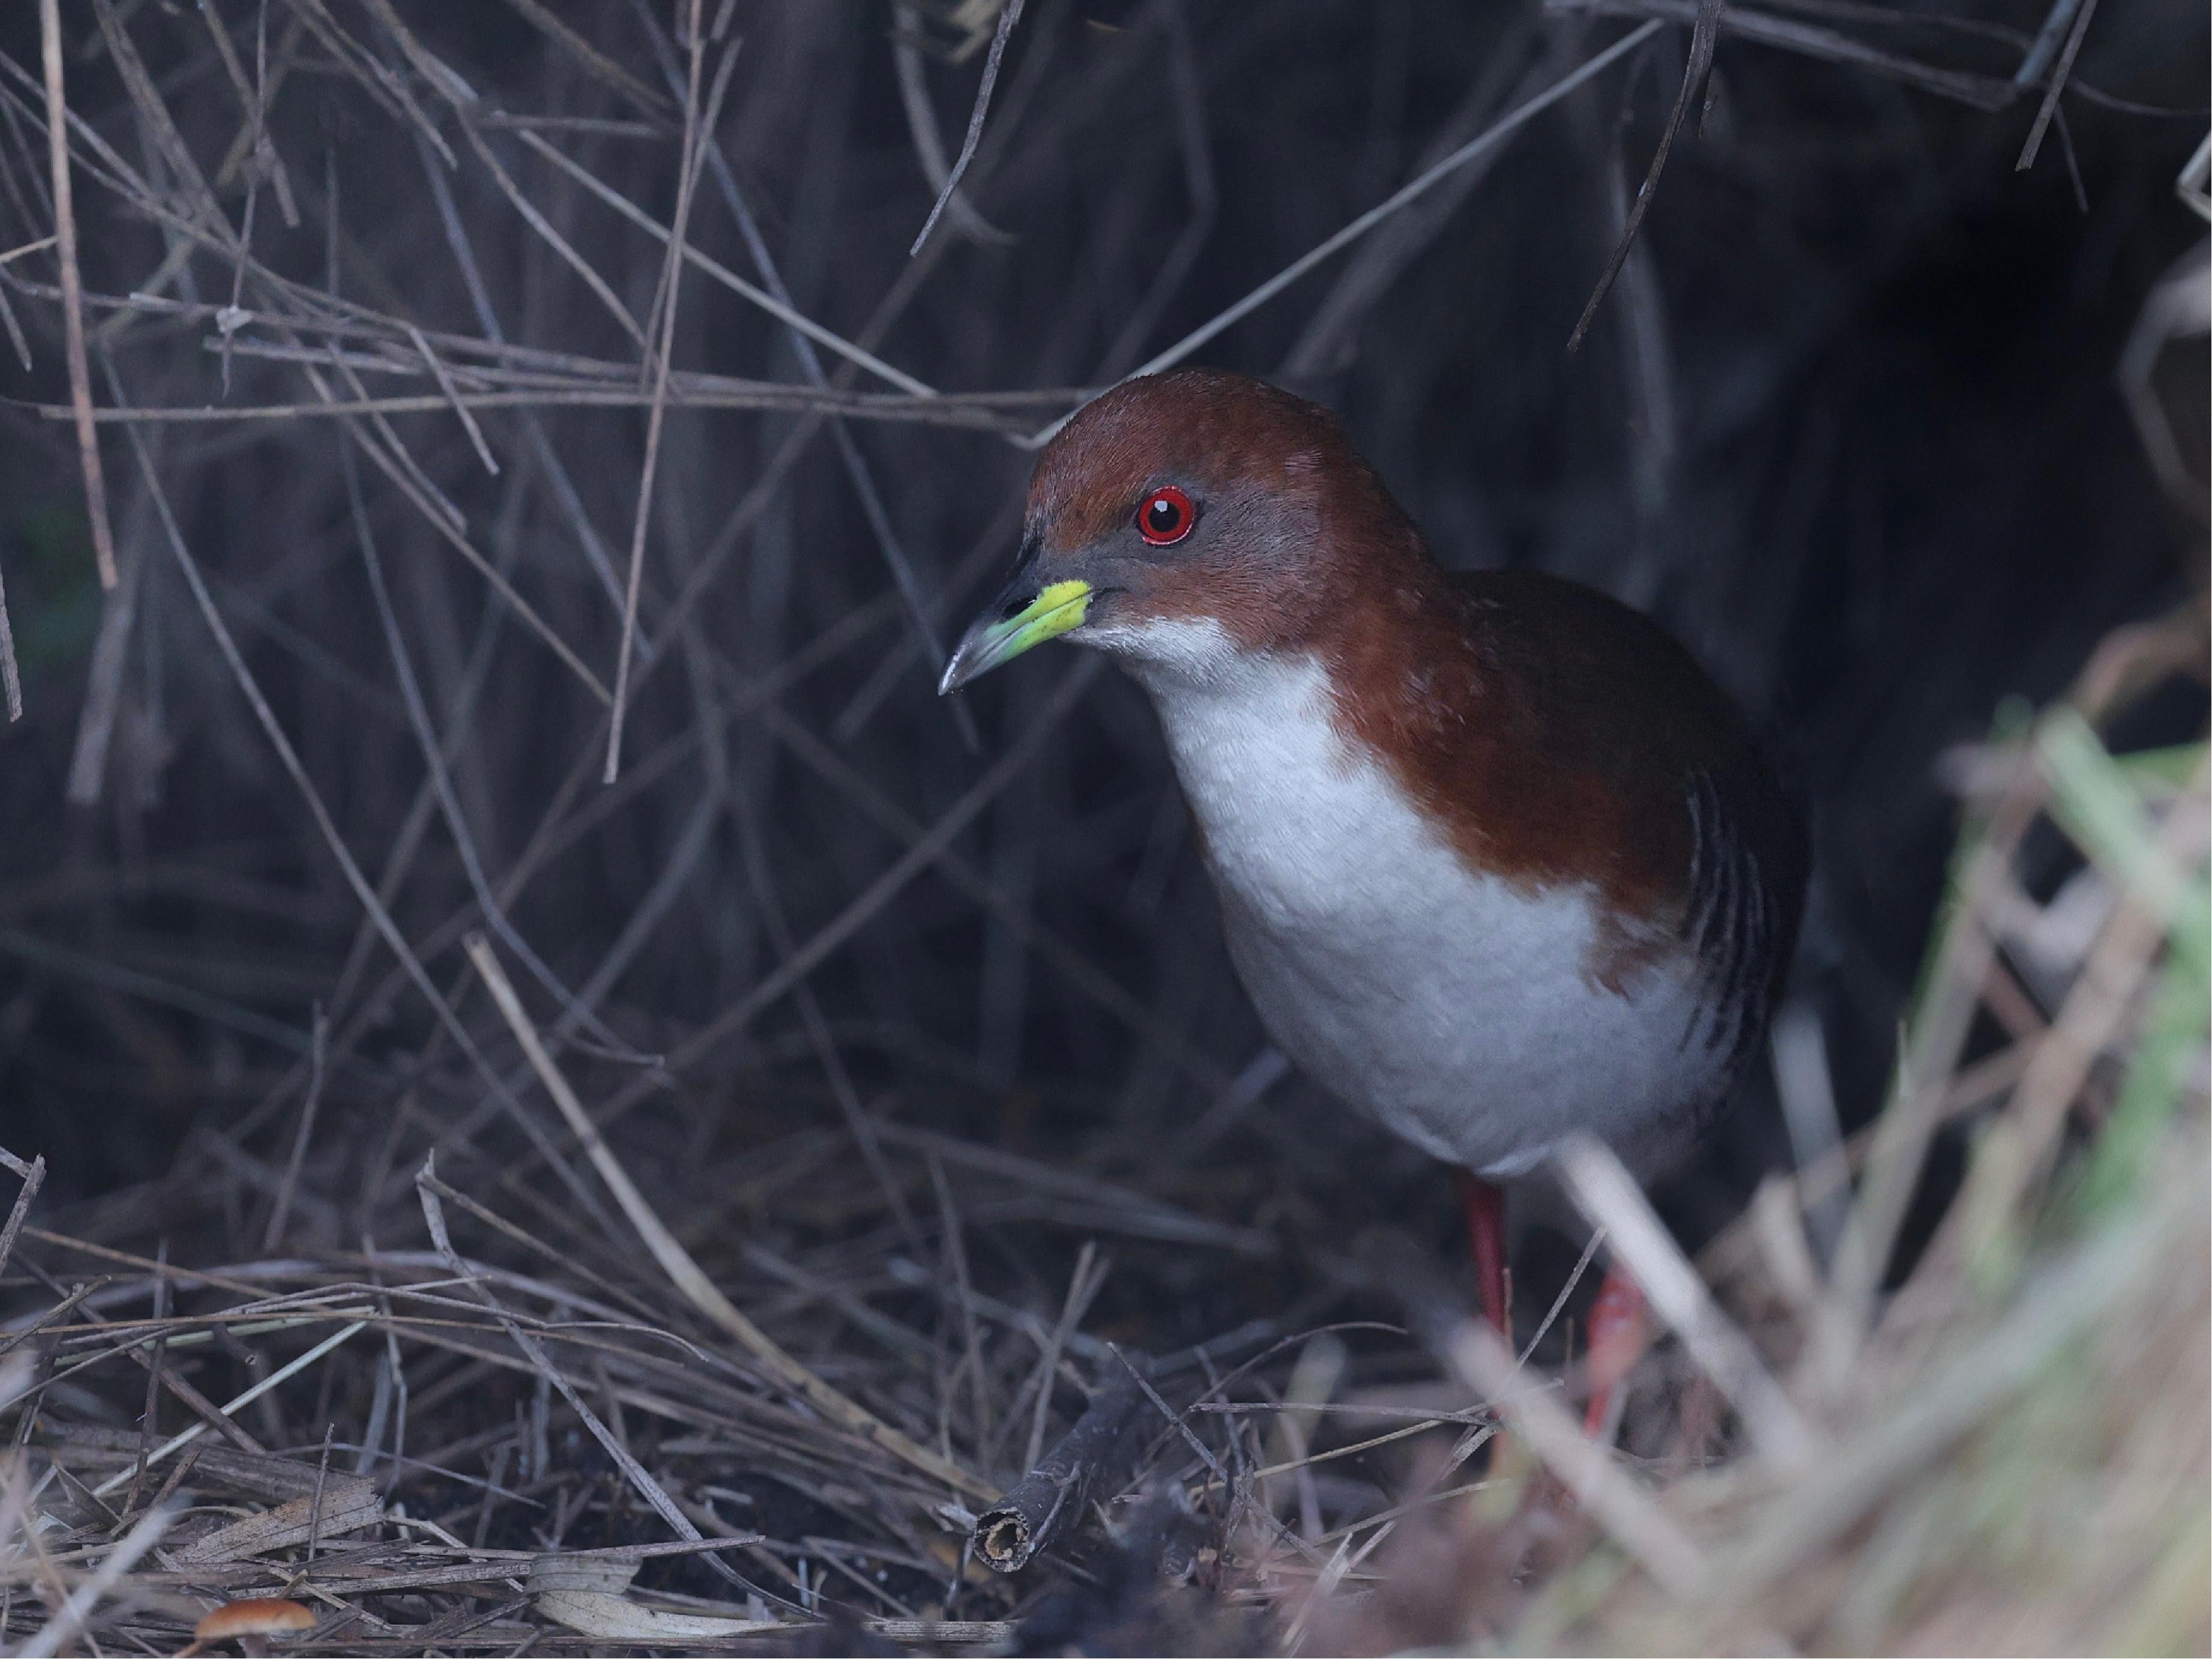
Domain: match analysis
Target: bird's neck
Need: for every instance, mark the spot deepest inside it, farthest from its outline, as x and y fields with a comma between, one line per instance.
x=1380, y=659
x=1286, y=803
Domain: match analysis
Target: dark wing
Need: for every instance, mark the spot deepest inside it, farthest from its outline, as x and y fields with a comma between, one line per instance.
x=1743, y=929
x=1704, y=824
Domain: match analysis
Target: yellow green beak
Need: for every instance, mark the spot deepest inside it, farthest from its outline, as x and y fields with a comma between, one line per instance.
x=1003, y=632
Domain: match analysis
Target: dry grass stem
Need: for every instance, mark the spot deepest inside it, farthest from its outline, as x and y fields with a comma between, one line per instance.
x=80, y=374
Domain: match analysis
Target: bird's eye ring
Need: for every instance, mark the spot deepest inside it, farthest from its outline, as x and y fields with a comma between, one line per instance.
x=1166, y=517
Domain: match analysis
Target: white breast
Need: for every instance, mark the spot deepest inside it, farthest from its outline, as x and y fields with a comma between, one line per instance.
x=1455, y=1006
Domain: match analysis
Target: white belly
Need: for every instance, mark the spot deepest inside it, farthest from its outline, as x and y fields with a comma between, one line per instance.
x=1457, y=1009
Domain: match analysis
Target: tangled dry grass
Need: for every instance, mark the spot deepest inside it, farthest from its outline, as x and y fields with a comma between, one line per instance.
x=2007, y=1452
x=583, y=1110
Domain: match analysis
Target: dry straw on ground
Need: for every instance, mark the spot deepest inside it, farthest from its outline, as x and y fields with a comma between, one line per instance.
x=591, y=1113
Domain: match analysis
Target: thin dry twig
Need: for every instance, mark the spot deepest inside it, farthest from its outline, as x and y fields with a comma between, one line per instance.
x=280, y=1210
x=80, y=374
x=872, y=898
x=1609, y=1195
x=594, y=62
x=1704, y=33
x=1082, y=1285
x=1010, y=13
x=11, y=676
x=453, y=397
x=534, y=1351
x=277, y=1378
x=656, y=365
x=921, y=123
x=1638, y=1525
x=1833, y=1497
x=1411, y=191
x=2059, y=73
x=253, y=137
x=126, y=1554
x=684, y=1273
x=33, y=1175
x=103, y=697
x=777, y=305
x=289, y=756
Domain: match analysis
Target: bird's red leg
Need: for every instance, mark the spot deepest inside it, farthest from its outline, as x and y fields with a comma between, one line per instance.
x=1619, y=1331
x=1485, y=1204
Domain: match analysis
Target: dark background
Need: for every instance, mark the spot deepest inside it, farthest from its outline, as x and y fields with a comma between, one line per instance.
x=1849, y=423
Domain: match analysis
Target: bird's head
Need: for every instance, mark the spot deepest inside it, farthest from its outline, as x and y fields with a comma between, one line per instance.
x=1181, y=520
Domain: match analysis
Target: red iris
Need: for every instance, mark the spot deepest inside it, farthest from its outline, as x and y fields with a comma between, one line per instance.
x=1166, y=516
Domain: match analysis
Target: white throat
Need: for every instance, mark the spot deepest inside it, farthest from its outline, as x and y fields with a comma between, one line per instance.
x=1285, y=803
x=1165, y=655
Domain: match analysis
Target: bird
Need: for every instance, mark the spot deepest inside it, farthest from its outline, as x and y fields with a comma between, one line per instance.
x=1496, y=862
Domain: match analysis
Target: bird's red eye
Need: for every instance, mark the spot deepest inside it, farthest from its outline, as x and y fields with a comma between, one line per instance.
x=1166, y=516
